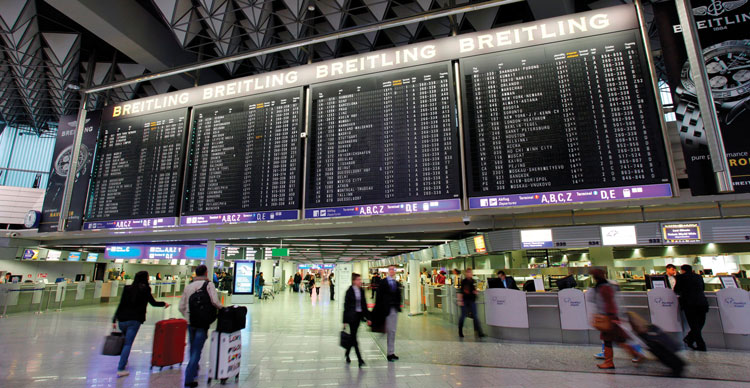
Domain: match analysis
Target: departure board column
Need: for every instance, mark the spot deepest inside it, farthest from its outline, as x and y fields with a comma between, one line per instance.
x=137, y=174
x=243, y=163
x=565, y=122
x=384, y=144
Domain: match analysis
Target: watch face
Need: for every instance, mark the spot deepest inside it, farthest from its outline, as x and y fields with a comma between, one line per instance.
x=62, y=163
x=728, y=68
x=30, y=219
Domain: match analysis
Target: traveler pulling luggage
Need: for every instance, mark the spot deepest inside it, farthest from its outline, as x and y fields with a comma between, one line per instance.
x=169, y=343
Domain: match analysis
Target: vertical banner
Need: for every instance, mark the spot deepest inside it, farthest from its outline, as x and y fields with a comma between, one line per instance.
x=66, y=133
x=724, y=34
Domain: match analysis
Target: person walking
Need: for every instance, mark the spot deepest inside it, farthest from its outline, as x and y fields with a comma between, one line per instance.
x=606, y=320
x=131, y=313
x=355, y=311
x=311, y=285
x=332, y=286
x=388, y=305
x=690, y=288
x=297, y=281
x=467, y=300
x=198, y=304
x=260, y=282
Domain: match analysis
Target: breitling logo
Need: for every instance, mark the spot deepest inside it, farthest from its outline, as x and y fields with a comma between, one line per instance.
x=718, y=7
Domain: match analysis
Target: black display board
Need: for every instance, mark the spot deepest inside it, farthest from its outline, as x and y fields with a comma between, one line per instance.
x=245, y=155
x=385, y=138
x=66, y=133
x=138, y=168
x=573, y=115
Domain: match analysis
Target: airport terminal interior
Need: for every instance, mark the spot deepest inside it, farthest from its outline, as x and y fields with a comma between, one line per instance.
x=374, y=193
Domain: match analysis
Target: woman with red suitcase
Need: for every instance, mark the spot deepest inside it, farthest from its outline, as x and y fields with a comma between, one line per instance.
x=131, y=313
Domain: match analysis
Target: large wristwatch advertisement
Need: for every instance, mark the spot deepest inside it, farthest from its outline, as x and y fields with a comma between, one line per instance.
x=724, y=34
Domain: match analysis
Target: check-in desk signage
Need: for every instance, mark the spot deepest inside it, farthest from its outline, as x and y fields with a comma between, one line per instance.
x=537, y=238
x=681, y=233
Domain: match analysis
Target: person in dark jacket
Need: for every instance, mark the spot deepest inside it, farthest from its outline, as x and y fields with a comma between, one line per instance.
x=355, y=311
x=374, y=282
x=332, y=286
x=131, y=313
x=507, y=281
x=297, y=281
x=387, y=307
x=689, y=286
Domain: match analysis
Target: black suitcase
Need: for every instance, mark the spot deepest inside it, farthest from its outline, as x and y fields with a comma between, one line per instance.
x=664, y=348
x=231, y=319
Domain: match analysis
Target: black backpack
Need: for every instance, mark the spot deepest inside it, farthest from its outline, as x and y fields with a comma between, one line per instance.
x=202, y=311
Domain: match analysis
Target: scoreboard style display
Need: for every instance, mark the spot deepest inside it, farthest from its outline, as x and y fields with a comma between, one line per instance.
x=137, y=175
x=572, y=121
x=384, y=144
x=244, y=162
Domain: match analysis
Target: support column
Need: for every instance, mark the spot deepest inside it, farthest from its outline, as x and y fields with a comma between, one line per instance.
x=415, y=301
x=210, y=248
x=73, y=165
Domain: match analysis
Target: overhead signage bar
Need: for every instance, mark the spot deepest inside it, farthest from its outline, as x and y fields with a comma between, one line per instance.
x=537, y=238
x=158, y=252
x=681, y=232
x=131, y=224
x=521, y=35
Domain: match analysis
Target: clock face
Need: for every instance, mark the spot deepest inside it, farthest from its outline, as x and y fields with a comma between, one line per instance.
x=728, y=68
x=31, y=219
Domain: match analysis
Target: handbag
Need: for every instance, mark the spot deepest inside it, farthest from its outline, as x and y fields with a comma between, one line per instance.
x=347, y=340
x=601, y=322
x=113, y=344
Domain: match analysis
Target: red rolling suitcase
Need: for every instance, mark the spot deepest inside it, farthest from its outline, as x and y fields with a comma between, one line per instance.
x=169, y=343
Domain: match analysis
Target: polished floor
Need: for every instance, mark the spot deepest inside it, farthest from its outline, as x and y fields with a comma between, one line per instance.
x=291, y=342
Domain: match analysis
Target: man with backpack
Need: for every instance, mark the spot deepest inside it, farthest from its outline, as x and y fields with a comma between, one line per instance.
x=199, y=304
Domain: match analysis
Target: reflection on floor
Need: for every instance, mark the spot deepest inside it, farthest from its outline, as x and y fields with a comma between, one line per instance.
x=292, y=343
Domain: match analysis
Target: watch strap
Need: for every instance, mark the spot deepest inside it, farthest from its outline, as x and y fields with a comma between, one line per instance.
x=690, y=124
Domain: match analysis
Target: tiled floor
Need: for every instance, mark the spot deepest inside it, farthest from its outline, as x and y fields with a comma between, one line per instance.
x=292, y=343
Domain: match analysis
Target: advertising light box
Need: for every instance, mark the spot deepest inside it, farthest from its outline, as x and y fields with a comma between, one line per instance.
x=681, y=232
x=30, y=254
x=158, y=252
x=537, y=238
x=53, y=255
x=92, y=257
x=244, y=277
x=619, y=235
x=74, y=256
x=479, y=245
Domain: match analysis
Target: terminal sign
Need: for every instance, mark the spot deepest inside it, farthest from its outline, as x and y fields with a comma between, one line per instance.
x=681, y=233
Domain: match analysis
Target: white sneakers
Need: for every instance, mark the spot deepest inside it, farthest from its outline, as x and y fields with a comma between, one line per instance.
x=122, y=373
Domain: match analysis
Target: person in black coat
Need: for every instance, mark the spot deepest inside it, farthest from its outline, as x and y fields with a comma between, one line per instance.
x=297, y=281
x=689, y=286
x=355, y=311
x=507, y=281
x=387, y=307
x=374, y=281
x=131, y=313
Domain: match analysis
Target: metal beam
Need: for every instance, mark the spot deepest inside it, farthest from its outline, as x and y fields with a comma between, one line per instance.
x=429, y=15
x=135, y=32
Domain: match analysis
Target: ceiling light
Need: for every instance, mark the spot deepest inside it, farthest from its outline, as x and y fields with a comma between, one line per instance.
x=73, y=87
x=311, y=7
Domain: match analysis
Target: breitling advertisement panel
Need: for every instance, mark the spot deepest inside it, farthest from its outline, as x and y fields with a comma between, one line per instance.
x=724, y=33
x=618, y=18
x=66, y=133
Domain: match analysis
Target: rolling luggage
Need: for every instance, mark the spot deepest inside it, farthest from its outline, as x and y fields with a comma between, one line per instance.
x=231, y=319
x=225, y=356
x=659, y=343
x=169, y=343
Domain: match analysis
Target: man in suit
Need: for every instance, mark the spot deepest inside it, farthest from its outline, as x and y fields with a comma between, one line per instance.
x=671, y=276
x=355, y=311
x=388, y=305
x=297, y=281
x=507, y=281
x=690, y=288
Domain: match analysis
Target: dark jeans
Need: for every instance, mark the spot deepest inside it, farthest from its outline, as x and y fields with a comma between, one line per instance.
x=696, y=318
x=469, y=305
x=354, y=326
x=333, y=290
x=129, y=329
x=197, y=338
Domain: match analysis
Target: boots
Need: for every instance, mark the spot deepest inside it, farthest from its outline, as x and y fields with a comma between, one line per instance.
x=608, y=359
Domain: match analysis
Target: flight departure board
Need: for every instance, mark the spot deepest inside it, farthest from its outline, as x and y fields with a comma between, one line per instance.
x=572, y=121
x=384, y=144
x=245, y=157
x=138, y=169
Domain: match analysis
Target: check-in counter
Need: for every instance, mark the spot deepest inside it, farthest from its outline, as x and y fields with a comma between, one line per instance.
x=434, y=298
x=40, y=297
x=563, y=317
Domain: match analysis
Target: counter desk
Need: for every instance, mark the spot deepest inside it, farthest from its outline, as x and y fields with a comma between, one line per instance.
x=564, y=316
x=39, y=297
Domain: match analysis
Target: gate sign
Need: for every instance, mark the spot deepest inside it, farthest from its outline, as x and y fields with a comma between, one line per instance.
x=664, y=309
x=572, y=309
x=681, y=233
x=734, y=307
x=506, y=308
